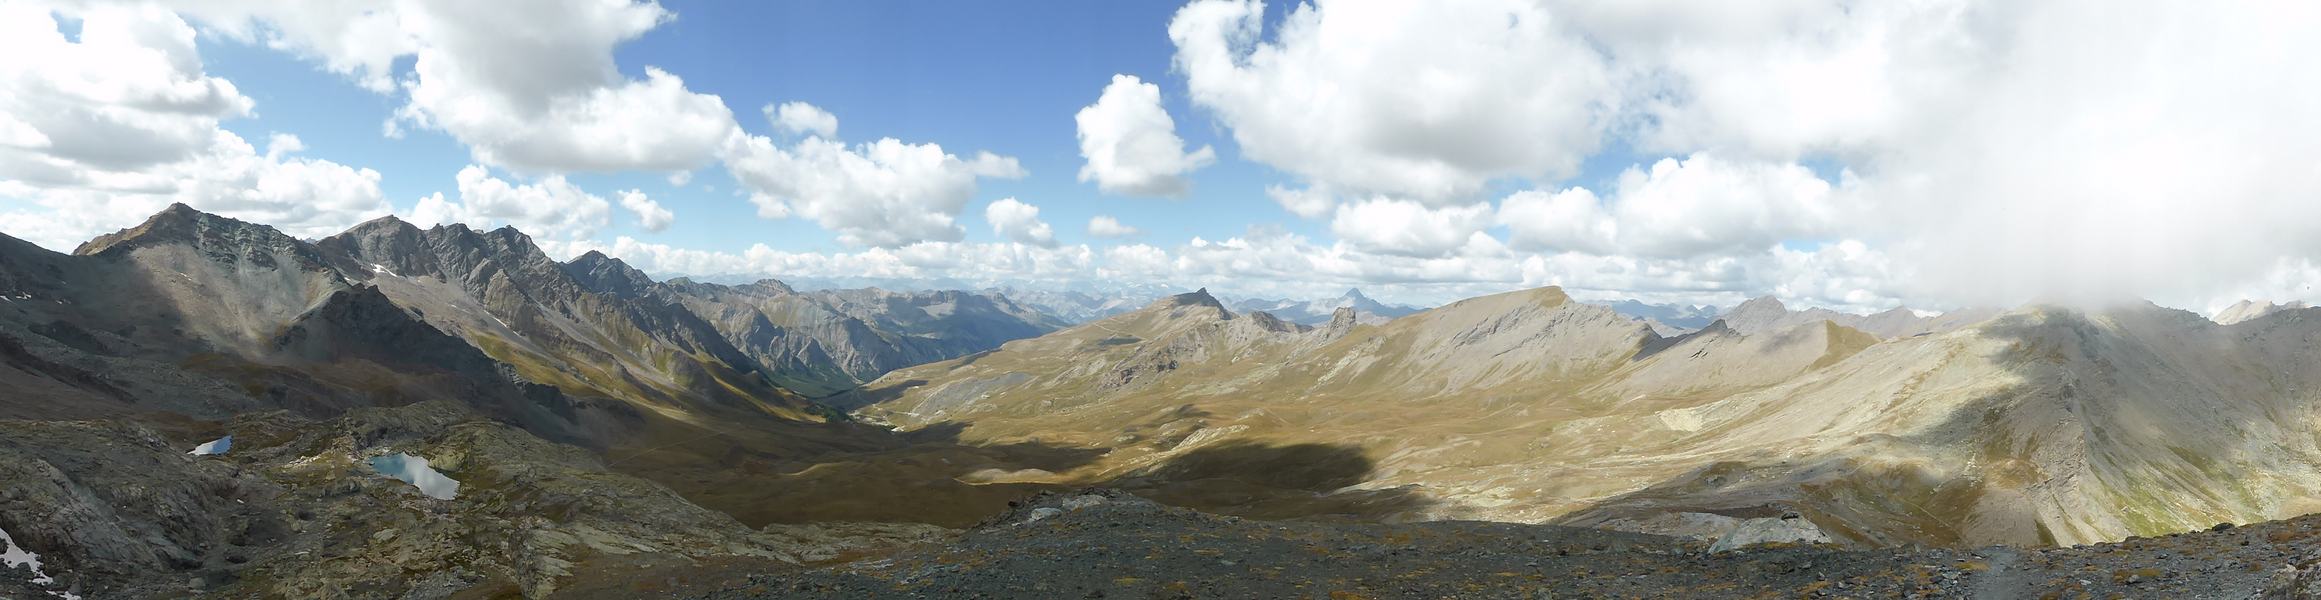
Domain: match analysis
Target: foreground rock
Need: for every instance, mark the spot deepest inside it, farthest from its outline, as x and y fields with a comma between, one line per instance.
x=117, y=509
x=1106, y=544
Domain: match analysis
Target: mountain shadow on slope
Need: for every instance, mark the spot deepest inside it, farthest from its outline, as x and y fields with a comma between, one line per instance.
x=1306, y=481
x=846, y=471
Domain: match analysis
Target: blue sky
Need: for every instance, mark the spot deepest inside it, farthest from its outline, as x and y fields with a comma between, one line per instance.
x=1859, y=157
x=1003, y=77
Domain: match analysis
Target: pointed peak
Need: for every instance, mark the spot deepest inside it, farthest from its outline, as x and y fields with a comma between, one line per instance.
x=1199, y=297
x=388, y=225
x=512, y=235
x=605, y=274
x=595, y=260
x=1757, y=311
x=1898, y=310
x=387, y=219
x=1354, y=293
x=776, y=285
x=1194, y=299
x=176, y=224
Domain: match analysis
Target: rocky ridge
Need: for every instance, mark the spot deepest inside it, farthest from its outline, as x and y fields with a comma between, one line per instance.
x=2044, y=425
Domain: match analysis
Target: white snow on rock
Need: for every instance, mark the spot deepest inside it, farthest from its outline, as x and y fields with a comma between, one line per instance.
x=12, y=556
x=214, y=447
x=1751, y=532
x=414, y=470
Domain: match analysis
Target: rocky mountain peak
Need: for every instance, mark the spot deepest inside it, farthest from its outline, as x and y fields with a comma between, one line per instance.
x=776, y=285
x=382, y=227
x=177, y=224
x=1199, y=297
x=1760, y=304
x=600, y=273
x=223, y=239
x=385, y=241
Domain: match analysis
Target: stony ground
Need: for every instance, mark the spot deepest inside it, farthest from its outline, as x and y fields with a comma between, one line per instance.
x=1105, y=544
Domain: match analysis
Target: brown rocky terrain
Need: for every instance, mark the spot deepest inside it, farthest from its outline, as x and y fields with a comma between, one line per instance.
x=1106, y=544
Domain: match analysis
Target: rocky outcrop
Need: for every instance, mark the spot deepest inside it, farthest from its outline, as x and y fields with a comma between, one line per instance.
x=120, y=510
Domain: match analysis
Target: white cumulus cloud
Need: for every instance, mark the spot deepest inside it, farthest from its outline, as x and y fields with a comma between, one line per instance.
x=101, y=131
x=650, y=214
x=1409, y=228
x=550, y=209
x=1131, y=144
x=885, y=193
x=1696, y=206
x=1018, y=222
x=1421, y=100
x=528, y=85
x=802, y=118
x=1104, y=226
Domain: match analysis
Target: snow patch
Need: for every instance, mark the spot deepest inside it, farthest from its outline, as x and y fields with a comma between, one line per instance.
x=214, y=447
x=12, y=557
x=414, y=470
x=1926, y=314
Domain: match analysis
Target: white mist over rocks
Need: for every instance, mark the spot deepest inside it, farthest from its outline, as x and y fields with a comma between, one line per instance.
x=2088, y=155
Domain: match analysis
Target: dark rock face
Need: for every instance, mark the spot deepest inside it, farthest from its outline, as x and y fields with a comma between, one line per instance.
x=605, y=274
x=829, y=341
x=222, y=239
x=563, y=322
x=362, y=324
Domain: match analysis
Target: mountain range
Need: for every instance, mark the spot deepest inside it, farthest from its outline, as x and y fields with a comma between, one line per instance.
x=1317, y=312
x=1668, y=319
x=2043, y=424
x=1073, y=306
x=530, y=380
x=1766, y=313
x=604, y=428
